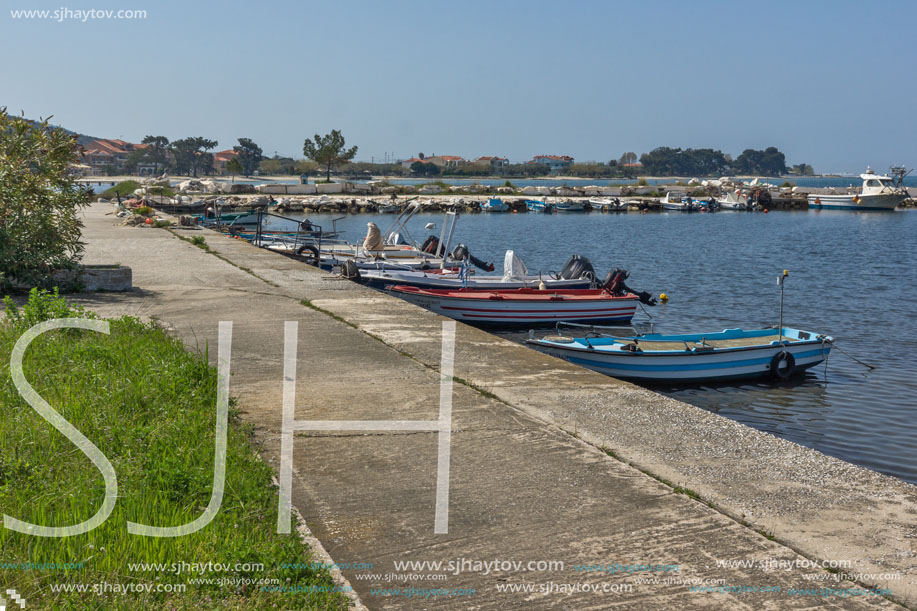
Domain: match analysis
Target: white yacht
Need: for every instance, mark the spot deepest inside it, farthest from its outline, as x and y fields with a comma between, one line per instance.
x=877, y=193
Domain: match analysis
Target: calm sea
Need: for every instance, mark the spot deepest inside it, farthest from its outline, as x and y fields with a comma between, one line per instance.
x=852, y=276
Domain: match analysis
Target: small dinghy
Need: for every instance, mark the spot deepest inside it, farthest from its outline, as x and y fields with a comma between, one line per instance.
x=495, y=204
x=697, y=357
x=535, y=205
x=776, y=353
x=614, y=303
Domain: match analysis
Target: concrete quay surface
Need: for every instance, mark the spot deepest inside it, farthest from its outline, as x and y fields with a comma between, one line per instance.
x=530, y=481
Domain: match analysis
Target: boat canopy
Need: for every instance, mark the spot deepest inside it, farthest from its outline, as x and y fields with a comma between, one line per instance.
x=513, y=267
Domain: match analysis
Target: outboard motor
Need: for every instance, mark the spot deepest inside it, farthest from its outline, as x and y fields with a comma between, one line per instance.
x=578, y=267
x=614, y=285
x=431, y=245
x=460, y=253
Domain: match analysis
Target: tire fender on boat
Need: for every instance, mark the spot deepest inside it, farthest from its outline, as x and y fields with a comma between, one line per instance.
x=778, y=360
x=311, y=250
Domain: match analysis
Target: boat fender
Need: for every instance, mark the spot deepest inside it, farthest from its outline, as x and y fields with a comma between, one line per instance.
x=350, y=270
x=312, y=251
x=780, y=358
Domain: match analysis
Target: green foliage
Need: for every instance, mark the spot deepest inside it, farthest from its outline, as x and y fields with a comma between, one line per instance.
x=40, y=202
x=142, y=210
x=42, y=305
x=627, y=158
x=665, y=161
x=148, y=405
x=199, y=241
x=249, y=156
x=642, y=183
x=124, y=188
x=328, y=151
x=420, y=168
x=803, y=169
x=769, y=162
x=234, y=166
x=190, y=156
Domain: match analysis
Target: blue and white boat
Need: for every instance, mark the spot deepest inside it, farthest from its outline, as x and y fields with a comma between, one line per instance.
x=877, y=193
x=569, y=206
x=535, y=205
x=698, y=357
x=495, y=204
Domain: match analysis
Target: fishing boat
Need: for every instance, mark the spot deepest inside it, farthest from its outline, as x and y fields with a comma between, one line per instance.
x=674, y=200
x=607, y=205
x=614, y=302
x=534, y=205
x=577, y=273
x=569, y=206
x=527, y=306
x=732, y=200
x=876, y=193
x=494, y=204
x=697, y=357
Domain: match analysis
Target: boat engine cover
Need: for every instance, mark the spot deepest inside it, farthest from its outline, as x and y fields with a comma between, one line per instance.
x=578, y=267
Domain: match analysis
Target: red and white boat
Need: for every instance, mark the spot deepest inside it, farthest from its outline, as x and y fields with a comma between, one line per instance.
x=523, y=306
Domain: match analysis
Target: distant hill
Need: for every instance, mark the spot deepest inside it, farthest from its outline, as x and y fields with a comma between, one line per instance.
x=81, y=139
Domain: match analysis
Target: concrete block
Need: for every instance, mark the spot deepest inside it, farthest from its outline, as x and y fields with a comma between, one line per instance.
x=301, y=189
x=334, y=187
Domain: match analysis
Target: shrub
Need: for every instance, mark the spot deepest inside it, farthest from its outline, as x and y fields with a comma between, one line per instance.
x=40, y=202
x=124, y=189
x=42, y=305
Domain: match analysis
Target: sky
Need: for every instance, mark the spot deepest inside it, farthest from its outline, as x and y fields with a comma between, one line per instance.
x=830, y=84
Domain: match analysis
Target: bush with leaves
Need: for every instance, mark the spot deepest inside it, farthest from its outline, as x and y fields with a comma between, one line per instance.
x=42, y=305
x=40, y=202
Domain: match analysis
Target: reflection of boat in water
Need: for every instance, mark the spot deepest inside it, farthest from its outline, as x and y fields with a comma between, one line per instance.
x=696, y=357
x=876, y=193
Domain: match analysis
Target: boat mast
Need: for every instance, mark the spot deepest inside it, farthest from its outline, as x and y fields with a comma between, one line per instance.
x=780, y=280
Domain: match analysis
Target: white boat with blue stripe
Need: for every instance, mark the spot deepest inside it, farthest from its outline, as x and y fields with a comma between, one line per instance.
x=699, y=357
x=877, y=193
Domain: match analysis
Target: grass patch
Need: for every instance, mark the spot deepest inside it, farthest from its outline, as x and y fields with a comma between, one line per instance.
x=123, y=188
x=150, y=407
x=200, y=242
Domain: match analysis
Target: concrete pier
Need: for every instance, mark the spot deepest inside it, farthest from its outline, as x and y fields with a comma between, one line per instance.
x=549, y=462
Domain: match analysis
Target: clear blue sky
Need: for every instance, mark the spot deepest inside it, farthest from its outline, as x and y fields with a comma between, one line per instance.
x=829, y=83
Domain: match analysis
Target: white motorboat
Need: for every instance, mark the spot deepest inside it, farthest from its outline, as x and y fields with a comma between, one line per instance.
x=577, y=273
x=732, y=200
x=876, y=193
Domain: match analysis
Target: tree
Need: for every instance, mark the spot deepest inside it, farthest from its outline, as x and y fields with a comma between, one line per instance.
x=770, y=162
x=40, y=202
x=190, y=156
x=627, y=159
x=156, y=151
x=234, y=166
x=249, y=155
x=328, y=151
x=424, y=169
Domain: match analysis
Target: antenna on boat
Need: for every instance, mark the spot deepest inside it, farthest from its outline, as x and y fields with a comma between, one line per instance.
x=780, y=281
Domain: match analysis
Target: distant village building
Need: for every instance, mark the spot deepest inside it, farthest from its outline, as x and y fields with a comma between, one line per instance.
x=554, y=162
x=496, y=164
x=407, y=163
x=221, y=158
x=446, y=161
x=104, y=156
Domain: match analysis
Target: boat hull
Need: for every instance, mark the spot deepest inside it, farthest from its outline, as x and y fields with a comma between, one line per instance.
x=685, y=366
x=383, y=279
x=862, y=202
x=519, y=311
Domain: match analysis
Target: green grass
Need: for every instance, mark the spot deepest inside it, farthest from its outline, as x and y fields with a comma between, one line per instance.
x=150, y=407
x=123, y=188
